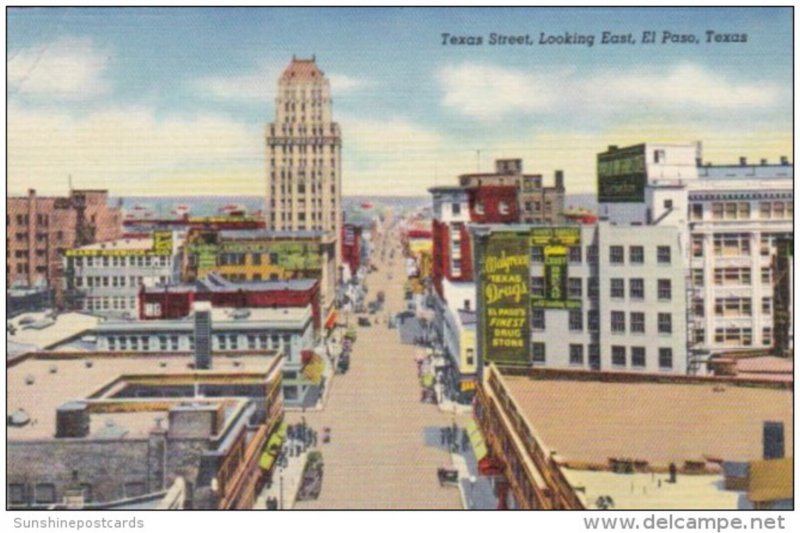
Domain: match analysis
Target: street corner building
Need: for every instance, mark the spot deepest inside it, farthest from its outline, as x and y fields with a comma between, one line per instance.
x=575, y=439
x=142, y=430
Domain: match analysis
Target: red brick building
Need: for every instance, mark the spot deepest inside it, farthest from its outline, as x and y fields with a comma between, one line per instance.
x=351, y=246
x=176, y=301
x=39, y=229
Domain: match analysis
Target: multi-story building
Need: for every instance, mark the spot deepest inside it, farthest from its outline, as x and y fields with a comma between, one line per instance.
x=264, y=255
x=303, y=152
x=575, y=439
x=506, y=196
x=99, y=430
x=288, y=331
x=39, y=230
x=105, y=278
x=535, y=203
x=601, y=297
x=729, y=218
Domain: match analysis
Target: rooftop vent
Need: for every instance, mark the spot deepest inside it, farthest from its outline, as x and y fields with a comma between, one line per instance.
x=18, y=418
x=162, y=364
x=53, y=369
x=784, y=160
x=742, y=161
x=88, y=364
x=29, y=379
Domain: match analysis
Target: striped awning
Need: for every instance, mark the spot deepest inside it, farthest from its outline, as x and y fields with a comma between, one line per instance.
x=476, y=440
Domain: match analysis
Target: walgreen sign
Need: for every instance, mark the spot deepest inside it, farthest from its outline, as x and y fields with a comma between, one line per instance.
x=504, y=278
x=621, y=175
x=555, y=243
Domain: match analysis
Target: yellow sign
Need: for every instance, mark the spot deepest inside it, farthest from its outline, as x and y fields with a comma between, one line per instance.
x=162, y=245
x=563, y=236
x=468, y=386
x=162, y=242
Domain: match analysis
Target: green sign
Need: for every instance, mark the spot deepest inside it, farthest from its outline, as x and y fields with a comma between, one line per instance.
x=555, y=243
x=504, y=278
x=621, y=175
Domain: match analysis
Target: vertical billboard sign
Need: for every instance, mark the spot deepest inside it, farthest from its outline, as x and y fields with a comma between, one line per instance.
x=504, y=294
x=621, y=175
x=555, y=244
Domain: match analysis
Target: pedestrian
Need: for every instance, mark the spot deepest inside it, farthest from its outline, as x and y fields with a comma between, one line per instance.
x=442, y=436
x=464, y=440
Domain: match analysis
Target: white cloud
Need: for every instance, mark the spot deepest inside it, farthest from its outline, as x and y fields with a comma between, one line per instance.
x=490, y=93
x=65, y=69
x=132, y=151
x=261, y=84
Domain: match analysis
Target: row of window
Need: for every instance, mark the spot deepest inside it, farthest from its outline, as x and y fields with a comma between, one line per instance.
x=40, y=237
x=119, y=261
x=637, y=322
x=116, y=281
x=172, y=343
x=616, y=255
x=735, y=336
x=106, y=303
x=619, y=355
x=742, y=210
x=736, y=244
x=732, y=307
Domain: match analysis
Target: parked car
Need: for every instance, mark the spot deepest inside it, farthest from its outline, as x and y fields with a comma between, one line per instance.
x=364, y=322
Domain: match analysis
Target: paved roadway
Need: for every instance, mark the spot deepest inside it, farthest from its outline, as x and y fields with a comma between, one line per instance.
x=378, y=457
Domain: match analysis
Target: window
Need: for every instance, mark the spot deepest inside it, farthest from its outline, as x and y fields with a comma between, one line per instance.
x=576, y=354
x=697, y=246
x=699, y=336
x=256, y=259
x=731, y=244
x=638, y=356
x=617, y=288
x=616, y=255
x=766, y=305
x=16, y=493
x=575, y=320
x=659, y=156
x=618, y=355
x=637, y=288
x=575, y=287
x=537, y=254
x=537, y=319
x=502, y=207
x=479, y=208
x=538, y=352
x=665, y=357
x=594, y=288
x=537, y=286
x=766, y=275
x=766, y=336
x=594, y=356
x=45, y=493
x=733, y=336
x=698, y=277
x=697, y=212
x=470, y=356
x=665, y=323
x=668, y=203
x=664, y=289
x=717, y=211
x=663, y=254
x=637, y=322
x=636, y=255
x=732, y=276
x=591, y=254
x=733, y=307
x=765, y=210
x=456, y=208
x=593, y=320
x=617, y=322
x=575, y=254
x=173, y=339
x=698, y=307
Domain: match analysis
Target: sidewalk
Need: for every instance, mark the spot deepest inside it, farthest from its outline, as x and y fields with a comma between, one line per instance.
x=291, y=481
x=476, y=491
x=328, y=373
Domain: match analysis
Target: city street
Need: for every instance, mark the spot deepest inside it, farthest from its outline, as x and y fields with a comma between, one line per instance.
x=379, y=457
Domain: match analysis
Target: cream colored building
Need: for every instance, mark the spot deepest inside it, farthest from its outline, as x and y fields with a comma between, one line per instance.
x=304, y=146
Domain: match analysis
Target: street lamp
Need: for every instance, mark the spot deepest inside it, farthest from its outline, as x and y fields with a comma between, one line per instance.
x=280, y=486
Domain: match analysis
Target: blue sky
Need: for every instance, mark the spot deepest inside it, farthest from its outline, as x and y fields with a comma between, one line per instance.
x=170, y=101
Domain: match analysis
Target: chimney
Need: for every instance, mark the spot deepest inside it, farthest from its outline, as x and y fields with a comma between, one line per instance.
x=560, y=179
x=773, y=441
x=784, y=160
x=72, y=420
x=612, y=147
x=698, y=161
x=202, y=335
x=763, y=162
x=742, y=161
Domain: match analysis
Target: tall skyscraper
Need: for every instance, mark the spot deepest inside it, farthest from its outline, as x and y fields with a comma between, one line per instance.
x=304, y=154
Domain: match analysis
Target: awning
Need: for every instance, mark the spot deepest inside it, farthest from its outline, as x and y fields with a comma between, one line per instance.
x=476, y=440
x=314, y=369
x=427, y=380
x=272, y=447
x=331, y=322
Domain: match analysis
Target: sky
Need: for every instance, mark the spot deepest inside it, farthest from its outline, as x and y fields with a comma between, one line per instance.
x=173, y=101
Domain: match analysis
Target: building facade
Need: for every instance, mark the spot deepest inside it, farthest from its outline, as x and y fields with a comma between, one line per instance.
x=303, y=152
x=105, y=278
x=39, y=230
x=729, y=218
x=602, y=297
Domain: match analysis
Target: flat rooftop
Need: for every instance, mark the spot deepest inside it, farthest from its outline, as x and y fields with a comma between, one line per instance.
x=289, y=318
x=588, y=422
x=61, y=378
x=36, y=329
x=652, y=491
